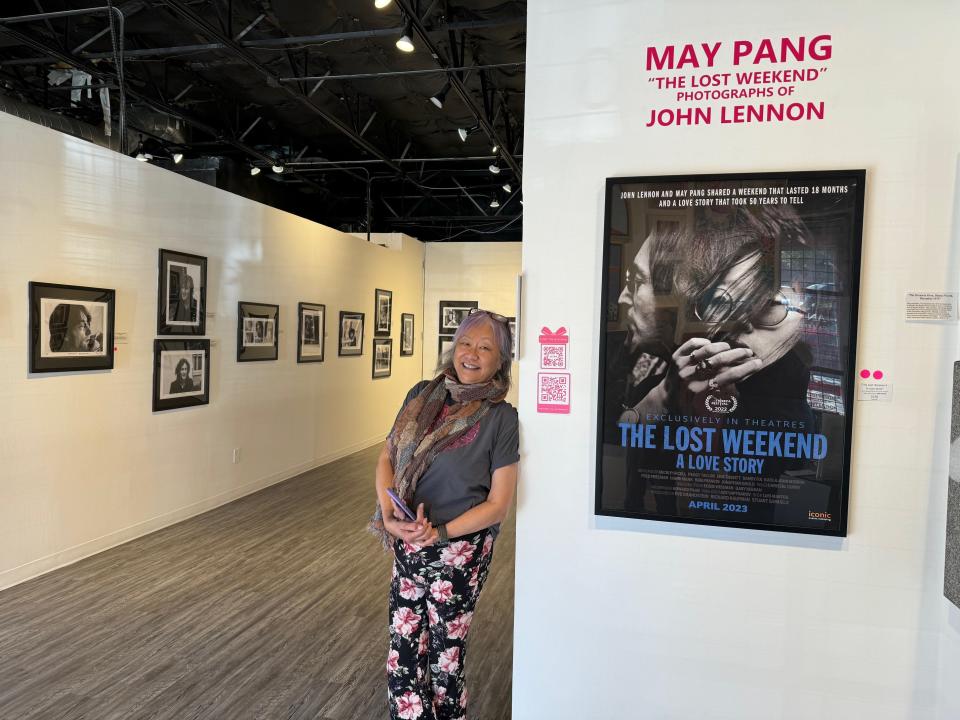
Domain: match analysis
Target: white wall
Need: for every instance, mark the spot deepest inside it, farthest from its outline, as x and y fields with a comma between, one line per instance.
x=485, y=272
x=620, y=619
x=84, y=463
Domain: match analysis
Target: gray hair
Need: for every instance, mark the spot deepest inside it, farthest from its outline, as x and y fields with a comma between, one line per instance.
x=501, y=334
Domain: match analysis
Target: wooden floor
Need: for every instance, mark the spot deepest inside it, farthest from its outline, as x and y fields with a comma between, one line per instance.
x=273, y=606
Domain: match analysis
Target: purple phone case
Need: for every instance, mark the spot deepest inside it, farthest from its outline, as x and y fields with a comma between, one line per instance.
x=401, y=504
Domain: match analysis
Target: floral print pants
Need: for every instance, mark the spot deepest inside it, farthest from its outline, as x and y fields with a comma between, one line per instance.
x=432, y=596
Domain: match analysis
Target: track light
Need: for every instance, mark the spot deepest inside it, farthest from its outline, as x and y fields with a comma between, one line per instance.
x=405, y=43
x=177, y=158
x=464, y=133
x=494, y=148
x=494, y=203
x=381, y=4
x=440, y=96
x=507, y=188
x=143, y=157
x=277, y=169
x=254, y=170
x=494, y=168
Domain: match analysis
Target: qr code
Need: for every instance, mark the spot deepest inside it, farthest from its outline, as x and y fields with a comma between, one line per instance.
x=553, y=356
x=555, y=389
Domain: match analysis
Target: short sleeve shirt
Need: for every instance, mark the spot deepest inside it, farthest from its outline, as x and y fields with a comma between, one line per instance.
x=459, y=477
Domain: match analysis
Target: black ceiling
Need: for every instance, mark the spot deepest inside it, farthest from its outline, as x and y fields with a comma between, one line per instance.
x=234, y=84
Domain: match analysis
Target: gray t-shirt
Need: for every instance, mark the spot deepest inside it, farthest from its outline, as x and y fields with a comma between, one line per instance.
x=459, y=477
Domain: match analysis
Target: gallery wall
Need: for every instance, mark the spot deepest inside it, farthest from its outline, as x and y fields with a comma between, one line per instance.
x=85, y=463
x=619, y=618
x=485, y=272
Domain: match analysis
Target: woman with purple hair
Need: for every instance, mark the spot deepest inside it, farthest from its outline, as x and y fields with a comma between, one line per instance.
x=452, y=454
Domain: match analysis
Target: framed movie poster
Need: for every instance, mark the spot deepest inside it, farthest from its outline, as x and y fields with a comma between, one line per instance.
x=181, y=373
x=181, y=294
x=71, y=327
x=311, y=330
x=452, y=312
x=351, y=333
x=951, y=571
x=382, y=357
x=726, y=377
x=383, y=309
x=258, y=326
x=406, y=334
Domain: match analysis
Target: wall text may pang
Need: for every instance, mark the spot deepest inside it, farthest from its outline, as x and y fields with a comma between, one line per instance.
x=692, y=89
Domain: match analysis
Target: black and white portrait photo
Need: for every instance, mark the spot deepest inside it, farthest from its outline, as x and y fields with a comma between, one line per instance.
x=310, y=333
x=182, y=292
x=258, y=328
x=512, y=324
x=382, y=357
x=181, y=374
x=452, y=313
x=351, y=333
x=406, y=334
x=71, y=328
x=383, y=306
x=444, y=345
x=258, y=332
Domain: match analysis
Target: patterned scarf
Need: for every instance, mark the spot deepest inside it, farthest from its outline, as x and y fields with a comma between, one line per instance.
x=422, y=432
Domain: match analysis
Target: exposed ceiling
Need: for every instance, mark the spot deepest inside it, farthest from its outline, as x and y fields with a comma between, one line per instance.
x=318, y=87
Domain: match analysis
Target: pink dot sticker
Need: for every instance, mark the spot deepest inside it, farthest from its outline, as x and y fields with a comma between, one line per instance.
x=878, y=374
x=864, y=374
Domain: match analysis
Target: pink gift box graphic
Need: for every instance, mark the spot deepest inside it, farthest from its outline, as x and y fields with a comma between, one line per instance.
x=553, y=348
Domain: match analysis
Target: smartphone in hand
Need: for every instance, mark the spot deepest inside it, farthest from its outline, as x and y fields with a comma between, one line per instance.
x=401, y=504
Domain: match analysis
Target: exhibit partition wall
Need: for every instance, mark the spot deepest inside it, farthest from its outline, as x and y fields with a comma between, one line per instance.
x=95, y=453
x=748, y=618
x=461, y=275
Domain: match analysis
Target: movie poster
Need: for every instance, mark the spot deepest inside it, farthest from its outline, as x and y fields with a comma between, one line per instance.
x=728, y=321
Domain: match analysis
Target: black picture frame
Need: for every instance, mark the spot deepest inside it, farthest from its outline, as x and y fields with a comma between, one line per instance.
x=382, y=312
x=512, y=327
x=71, y=327
x=806, y=234
x=382, y=358
x=407, y=334
x=258, y=331
x=443, y=342
x=311, y=332
x=452, y=313
x=174, y=269
x=168, y=357
x=350, y=321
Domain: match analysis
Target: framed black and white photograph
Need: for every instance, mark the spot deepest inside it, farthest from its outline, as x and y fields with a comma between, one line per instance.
x=258, y=325
x=452, y=313
x=444, y=343
x=383, y=308
x=71, y=327
x=725, y=391
x=512, y=325
x=181, y=294
x=311, y=331
x=382, y=357
x=350, y=333
x=406, y=334
x=181, y=373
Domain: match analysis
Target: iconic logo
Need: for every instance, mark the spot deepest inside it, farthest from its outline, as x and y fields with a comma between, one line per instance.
x=811, y=515
x=721, y=405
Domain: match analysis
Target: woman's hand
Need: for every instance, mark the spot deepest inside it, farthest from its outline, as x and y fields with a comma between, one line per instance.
x=415, y=532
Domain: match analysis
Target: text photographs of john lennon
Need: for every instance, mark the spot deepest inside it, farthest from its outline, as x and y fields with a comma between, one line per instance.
x=258, y=332
x=72, y=329
x=181, y=373
x=183, y=294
